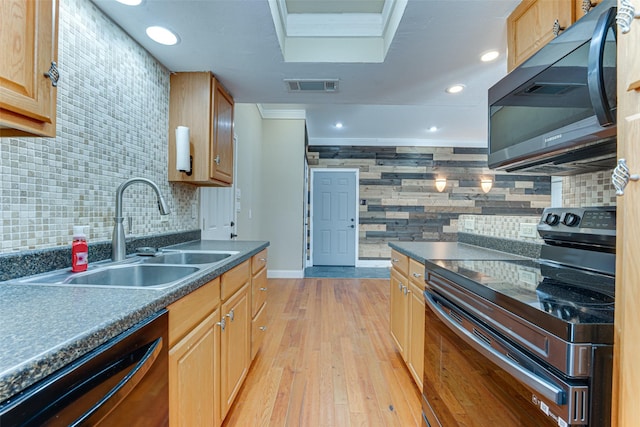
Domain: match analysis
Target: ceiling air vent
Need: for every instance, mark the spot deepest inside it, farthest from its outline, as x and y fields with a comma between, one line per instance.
x=297, y=85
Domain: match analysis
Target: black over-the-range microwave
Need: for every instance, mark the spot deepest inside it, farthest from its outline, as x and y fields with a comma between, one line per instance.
x=555, y=114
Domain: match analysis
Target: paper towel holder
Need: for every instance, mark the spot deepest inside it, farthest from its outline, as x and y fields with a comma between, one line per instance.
x=190, y=171
x=183, y=150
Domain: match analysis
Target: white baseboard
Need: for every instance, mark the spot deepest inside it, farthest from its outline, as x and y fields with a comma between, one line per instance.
x=373, y=263
x=285, y=274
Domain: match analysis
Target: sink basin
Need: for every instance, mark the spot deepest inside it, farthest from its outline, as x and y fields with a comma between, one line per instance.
x=187, y=258
x=133, y=276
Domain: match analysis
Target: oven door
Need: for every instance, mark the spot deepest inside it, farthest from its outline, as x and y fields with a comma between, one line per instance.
x=474, y=377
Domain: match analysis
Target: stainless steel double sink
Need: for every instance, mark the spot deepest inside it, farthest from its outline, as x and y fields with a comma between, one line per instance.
x=159, y=271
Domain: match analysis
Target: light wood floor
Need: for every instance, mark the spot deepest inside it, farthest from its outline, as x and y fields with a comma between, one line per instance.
x=328, y=360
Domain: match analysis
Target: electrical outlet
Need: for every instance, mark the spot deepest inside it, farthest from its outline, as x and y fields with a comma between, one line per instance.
x=469, y=224
x=528, y=277
x=528, y=229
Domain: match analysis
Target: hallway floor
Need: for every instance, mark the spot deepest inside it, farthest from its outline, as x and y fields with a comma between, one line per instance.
x=347, y=272
x=328, y=360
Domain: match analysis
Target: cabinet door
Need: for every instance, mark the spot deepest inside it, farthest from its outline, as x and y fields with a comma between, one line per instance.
x=415, y=358
x=627, y=334
x=235, y=346
x=29, y=37
x=399, y=322
x=258, y=330
x=530, y=27
x=258, y=291
x=221, y=162
x=194, y=369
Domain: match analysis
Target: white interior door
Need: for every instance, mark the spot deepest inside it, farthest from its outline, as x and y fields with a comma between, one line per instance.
x=217, y=212
x=218, y=208
x=334, y=217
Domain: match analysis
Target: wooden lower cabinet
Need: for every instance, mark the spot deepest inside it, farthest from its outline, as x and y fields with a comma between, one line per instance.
x=194, y=370
x=415, y=358
x=209, y=349
x=235, y=347
x=398, y=320
x=258, y=300
x=407, y=317
x=194, y=358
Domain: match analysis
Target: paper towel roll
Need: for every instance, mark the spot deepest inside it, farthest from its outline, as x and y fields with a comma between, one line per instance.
x=183, y=154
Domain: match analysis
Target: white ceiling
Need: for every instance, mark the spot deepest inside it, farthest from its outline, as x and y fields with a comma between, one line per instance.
x=437, y=43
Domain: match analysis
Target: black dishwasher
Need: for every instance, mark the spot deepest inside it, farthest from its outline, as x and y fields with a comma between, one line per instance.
x=122, y=382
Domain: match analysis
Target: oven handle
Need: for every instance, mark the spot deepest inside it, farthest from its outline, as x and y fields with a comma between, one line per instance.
x=546, y=389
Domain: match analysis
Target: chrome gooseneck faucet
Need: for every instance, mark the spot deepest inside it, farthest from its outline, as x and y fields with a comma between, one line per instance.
x=118, y=244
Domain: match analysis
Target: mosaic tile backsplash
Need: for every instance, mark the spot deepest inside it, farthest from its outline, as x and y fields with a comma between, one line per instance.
x=112, y=125
x=591, y=189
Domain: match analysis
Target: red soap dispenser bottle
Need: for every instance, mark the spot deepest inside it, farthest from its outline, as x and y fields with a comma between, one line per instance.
x=79, y=250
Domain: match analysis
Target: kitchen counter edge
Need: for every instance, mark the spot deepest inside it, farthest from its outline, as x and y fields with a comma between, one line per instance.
x=20, y=368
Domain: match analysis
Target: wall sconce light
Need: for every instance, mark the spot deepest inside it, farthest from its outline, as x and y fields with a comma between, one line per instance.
x=441, y=183
x=184, y=161
x=486, y=185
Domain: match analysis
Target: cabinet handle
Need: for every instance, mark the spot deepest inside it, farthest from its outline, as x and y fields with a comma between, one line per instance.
x=263, y=259
x=263, y=289
x=557, y=28
x=231, y=315
x=586, y=6
x=53, y=74
x=416, y=275
x=263, y=328
x=222, y=324
x=621, y=177
x=217, y=159
x=626, y=14
x=395, y=260
x=400, y=286
x=405, y=290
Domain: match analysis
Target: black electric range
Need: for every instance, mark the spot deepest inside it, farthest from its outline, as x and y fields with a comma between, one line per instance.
x=545, y=325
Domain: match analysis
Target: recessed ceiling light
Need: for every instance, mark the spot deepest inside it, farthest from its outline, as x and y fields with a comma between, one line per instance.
x=130, y=2
x=489, y=56
x=162, y=35
x=433, y=129
x=457, y=88
x=338, y=125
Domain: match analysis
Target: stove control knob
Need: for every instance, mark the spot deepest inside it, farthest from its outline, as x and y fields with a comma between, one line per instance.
x=552, y=219
x=571, y=220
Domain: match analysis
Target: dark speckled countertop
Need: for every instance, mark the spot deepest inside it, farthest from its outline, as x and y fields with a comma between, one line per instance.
x=422, y=251
x=43, y=328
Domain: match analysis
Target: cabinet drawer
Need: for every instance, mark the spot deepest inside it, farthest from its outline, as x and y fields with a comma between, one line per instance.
x=400, y=262
x=258, y=330
x=189, y=311
x=416, y=272
x=234, y=279
x=258, y=261
x=258, y=291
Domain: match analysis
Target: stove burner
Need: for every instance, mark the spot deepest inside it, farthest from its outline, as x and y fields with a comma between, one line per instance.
x=575, y=304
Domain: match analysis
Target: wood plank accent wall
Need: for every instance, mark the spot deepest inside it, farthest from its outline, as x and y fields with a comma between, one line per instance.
x=399, y=201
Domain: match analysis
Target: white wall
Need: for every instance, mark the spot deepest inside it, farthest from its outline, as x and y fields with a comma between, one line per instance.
x=248, y=128
x=282, y=192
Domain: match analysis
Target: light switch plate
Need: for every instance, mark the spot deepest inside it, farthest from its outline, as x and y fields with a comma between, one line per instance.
x=528, y=229
x=469, y=224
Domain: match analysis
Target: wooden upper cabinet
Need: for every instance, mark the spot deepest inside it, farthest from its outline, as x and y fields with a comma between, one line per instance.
x=626, y=370
x=530, y=26
x=197, y=100
x=29, y=40
x=583, y=7
x=221, y=167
